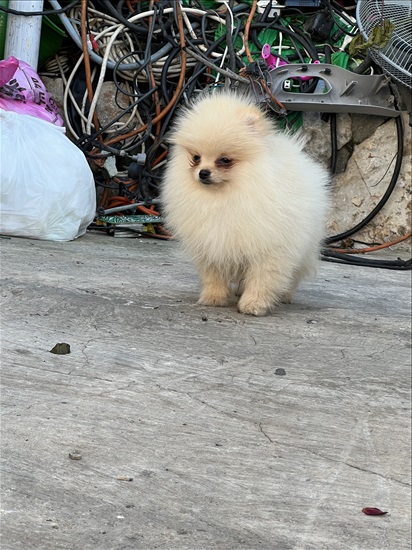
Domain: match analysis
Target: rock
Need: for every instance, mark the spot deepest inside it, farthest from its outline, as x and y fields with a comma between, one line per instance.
x=61, y=349
x=343, y=129
x=75, y=455
x=359, y=189
x=317, y=133
x=343, y=157
x=363, y=126
x=55, y=88
x=107, y=108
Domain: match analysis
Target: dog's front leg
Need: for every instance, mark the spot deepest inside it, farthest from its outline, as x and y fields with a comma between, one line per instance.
x=264, y=286
x=215, y=286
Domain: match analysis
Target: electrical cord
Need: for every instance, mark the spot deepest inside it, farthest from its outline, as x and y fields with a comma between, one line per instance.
x=334, y=143
x=118, y=15
x=87, y=60
x=299, y=37
x=336, y=257
x=164, y=73
x=162, y=52
x=374, y=248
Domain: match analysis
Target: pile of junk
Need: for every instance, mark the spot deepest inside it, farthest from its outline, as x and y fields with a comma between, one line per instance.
x=90, y=88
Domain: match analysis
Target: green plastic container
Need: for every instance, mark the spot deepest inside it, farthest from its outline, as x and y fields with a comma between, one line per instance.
x=3, y=26
x=51, y=39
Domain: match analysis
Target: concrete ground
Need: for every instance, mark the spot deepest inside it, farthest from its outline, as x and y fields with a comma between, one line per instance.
x=199, y=428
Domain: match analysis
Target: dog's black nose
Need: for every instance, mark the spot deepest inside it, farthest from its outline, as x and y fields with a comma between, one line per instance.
x=204, y=176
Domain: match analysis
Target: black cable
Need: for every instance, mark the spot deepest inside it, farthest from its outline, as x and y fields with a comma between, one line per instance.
x=364, y=66
x=165, y=26
x=343, y=28
x=334, y=13
x=334, y=143
x=143, y=65
x=118, y=117
x=212, y=46
x=262, y=17
x=199, y=69
x=304, y=41
x=303, y=36
x=388, y=192
x=338, y=8
x=203, y=29
x=113, y=11
x=187, y=89
x=212, y=64
x=329, y=255
x=77, y=88
x=147, y=53
x=165, y=69
x=229, y=39
x=332, y=119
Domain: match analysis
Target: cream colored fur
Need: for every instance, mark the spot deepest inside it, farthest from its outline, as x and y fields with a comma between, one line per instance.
x=260, y=220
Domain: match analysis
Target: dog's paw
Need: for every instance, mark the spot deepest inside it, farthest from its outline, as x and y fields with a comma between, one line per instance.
x=286, y=299
x=213, y=300
x=256, y=308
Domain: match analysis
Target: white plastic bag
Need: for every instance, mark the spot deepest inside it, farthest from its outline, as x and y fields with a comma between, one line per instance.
x=47, y=187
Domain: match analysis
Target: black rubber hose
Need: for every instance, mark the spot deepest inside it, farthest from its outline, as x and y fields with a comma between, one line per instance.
x=364, y=66
x=165, y=69
x=229, y=38
x=119, y=16
x=339, y=258
x=334, y=143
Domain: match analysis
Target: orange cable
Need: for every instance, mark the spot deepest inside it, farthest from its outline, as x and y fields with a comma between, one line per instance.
x=160, y=158
x=104, y=196
x=152, y=80
x=87, y=62
x=146, y=210
x=371, y=248
x=178, y=87
x=250, y=57
x=247, y=29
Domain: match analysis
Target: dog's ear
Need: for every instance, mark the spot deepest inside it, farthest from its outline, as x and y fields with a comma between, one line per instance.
x=256, y=121
x=251, y=118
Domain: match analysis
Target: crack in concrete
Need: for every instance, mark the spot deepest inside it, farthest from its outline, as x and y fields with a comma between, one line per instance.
x=82, y=351
x=108, y=392
x=264, y=433
x=46, y=371
x=403, y=483
x=362, y=178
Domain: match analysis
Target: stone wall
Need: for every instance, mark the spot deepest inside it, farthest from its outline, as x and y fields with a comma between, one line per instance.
x=367, y=147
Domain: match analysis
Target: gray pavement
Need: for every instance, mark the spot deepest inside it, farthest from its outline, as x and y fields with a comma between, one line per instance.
x=191, y=435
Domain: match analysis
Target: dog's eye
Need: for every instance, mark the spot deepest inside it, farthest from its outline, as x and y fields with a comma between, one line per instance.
x=196, y=159
x=224, y=161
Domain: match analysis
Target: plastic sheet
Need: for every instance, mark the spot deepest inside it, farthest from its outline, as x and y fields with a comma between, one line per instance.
x=47, y=187
x=22, y=91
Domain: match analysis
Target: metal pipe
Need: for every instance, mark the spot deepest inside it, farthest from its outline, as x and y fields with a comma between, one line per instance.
x=23, y=32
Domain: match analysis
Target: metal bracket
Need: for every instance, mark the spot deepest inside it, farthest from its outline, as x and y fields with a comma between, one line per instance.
x=344, y=91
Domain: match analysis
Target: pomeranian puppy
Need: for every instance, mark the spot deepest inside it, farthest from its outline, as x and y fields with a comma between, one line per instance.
x=248, y=204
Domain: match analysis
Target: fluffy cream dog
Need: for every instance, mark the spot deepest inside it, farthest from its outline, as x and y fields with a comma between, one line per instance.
x=246, y=202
